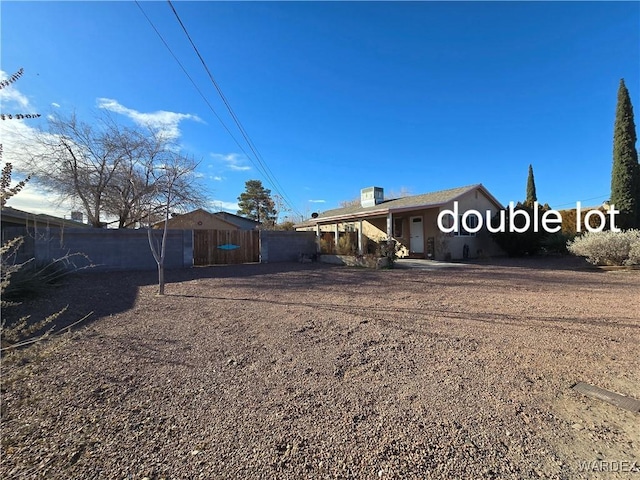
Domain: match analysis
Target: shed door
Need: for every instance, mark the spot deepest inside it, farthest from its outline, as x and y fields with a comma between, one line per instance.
x=416, y=235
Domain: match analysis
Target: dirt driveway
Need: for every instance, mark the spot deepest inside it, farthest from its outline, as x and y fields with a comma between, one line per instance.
x=314, y=371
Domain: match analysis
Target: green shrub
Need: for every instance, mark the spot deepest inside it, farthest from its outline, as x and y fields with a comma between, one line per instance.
x=608, y=248
x=556, y=243
x=517, y=244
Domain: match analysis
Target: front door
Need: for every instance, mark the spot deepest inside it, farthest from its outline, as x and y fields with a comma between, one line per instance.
x=416, y=235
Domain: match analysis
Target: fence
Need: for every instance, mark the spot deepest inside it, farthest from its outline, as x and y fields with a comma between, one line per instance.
x=286, y=246
x=128, y=249
x=218, y=247
x=108, y=249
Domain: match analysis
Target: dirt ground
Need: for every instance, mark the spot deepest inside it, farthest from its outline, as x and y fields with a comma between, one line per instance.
x=316, y=371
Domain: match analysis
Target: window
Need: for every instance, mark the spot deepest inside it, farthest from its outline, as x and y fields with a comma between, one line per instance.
x=397, y=227
x=471, y=222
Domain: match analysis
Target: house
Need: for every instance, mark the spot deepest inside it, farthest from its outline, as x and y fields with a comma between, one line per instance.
x=200, y=219
x=412, y=222
x=16, y=222
x=242, y=223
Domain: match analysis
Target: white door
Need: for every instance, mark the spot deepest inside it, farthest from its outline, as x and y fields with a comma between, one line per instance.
x=416, y=235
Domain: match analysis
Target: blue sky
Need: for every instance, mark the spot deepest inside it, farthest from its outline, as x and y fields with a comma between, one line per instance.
x=338, y=96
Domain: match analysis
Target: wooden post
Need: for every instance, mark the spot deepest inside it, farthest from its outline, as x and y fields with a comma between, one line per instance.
x=360, y=250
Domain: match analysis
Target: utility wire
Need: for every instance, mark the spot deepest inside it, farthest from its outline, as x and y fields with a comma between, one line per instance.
x=586, y=200
x=265, y=169
x=192, y=81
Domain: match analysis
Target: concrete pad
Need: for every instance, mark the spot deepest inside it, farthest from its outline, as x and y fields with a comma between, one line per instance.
x=418, y=263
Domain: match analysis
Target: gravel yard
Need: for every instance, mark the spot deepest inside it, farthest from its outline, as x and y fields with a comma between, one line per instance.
x=315, y=371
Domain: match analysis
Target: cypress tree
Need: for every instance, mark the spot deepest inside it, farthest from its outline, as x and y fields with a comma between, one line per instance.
x=531, y=189
x=625, y=174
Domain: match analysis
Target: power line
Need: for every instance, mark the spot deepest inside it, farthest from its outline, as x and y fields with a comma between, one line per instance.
x=193, y=82
x=585, y=199
x=263, y=168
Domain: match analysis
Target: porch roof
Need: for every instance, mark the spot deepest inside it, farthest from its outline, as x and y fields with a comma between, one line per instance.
x=414, y=202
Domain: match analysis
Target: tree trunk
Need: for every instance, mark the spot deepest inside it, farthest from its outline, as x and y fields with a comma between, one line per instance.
x=160, y=279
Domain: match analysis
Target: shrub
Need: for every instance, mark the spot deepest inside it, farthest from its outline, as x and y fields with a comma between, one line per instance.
x=347, y=244
x=556, y=243
x=634, y=254
x=388, y=249
x=516, y=244
x=26, y=280
x=608, y=248
x=23, y=281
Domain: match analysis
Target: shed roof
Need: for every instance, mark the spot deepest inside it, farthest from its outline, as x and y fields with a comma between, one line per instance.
x=13, y=215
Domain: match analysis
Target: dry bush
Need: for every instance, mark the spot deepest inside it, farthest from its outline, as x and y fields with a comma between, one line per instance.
x=608, y=248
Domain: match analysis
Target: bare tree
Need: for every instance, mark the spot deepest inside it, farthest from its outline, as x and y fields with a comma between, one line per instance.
x=107, y=168
x=175, y=186
x=393, y=194
x=354, y=202
x=78, y=162
x=133, y=182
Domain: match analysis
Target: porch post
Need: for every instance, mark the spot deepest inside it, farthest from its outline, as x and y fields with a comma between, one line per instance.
x=336, y=233
x=317, y=238
x=389, y=226
x=360, y=252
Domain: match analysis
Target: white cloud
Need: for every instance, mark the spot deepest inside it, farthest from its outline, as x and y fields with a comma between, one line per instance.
x=232, y=161
x=32, y=200
x=18, y=139
x=218, y=205
x=317, y=201
x=11, y=98
x=162, y=120
x=217, y=178
x=54, y=104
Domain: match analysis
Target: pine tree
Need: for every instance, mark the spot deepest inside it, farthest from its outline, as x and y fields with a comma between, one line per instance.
x=531, y=189
x=625, y=174
x=256, y=203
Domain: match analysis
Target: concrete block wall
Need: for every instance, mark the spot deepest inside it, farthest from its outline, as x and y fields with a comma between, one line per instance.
x=111, y=249
x=286, y=246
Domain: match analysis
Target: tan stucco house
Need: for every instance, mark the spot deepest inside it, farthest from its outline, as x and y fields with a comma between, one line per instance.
x=412, y=222
x=200, y=219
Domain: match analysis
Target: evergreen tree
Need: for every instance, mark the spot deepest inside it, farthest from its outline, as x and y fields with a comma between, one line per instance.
x=531, y=189
x=625, y=174
x=256, y=203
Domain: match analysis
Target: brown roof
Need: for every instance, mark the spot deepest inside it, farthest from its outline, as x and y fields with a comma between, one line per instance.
x=13, y=215
x=425, y=200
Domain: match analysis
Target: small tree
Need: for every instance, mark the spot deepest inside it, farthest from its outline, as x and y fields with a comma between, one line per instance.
x=16, y=281
x=531, y=189
x=6, y=190
x=256, y=203
x=528, y=242
x=625, y=174
x=175, y=187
